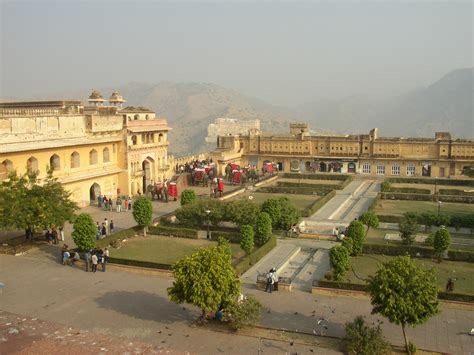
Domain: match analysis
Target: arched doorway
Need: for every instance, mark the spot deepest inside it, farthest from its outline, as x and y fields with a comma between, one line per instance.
x=351, y=168
x=94, y=192
x=307, y=167
x=322, y=167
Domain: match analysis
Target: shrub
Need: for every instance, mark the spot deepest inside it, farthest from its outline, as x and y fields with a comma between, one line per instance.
x=408, y=228
x=84, y=232
x=385, y=187
x=224, y=244
x=441, y=241
x=263, y=228
x=143, y=212
x=175, y=232
x=348, y=243
x=281, y=211
x=272, y=207
x=247, y=312
x=429, y=240
x=188, y=196
x=363, y=339
x=370, y=220
x=340, y=262
x=242, y=212
x=356, y=232
x=247, y=242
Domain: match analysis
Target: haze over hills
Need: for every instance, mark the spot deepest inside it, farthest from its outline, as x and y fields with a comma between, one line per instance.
x=446, y=105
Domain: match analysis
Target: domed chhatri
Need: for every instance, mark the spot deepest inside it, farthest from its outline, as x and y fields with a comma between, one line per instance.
x=96, y=98
x=116, y=99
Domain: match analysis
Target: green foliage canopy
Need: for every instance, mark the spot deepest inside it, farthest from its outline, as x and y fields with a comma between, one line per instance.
x=340, y=261
x=247, y=312
x=356, y=232
x=281, y=211
x=24, y=202
x=84, y=232
x=263, y=228
x=247, y=240
x=188, y=196
x=408, y=227
x=404, y=293
x=143, y=212
x=441, y=241
x=205, y=279
x=362, y=339
x=370, y=219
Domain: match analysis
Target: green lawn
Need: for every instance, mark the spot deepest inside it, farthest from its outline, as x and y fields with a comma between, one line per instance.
x=398, y=207
x=463, y=272
x=299, y=201
x=166, y=250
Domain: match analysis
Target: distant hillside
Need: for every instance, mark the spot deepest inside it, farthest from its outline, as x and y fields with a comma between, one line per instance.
x=446, y=105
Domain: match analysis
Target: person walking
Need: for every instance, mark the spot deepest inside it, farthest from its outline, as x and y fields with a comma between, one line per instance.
x=111, y=226
x=129, y=203
x=94, y=261
x=105, y=258
x=106, y=223
x=125, y=205
x=104, y=231
x=87, y=260
x=271, y=279
x=61, y=234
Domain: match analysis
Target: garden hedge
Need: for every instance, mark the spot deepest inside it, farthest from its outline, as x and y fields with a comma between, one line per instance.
x=361, y=287
x=293, y=190
x=246, y=262
x=175, y=232
x=123, y=234
x=409, y=190
x=340, y=177
x=414, y=251
x=318, y=204
x=447, y=182
x=147, y=264
x=308, y=186
x=455, y=192
x=451, y=220
x=424, y=197
x=232, y=237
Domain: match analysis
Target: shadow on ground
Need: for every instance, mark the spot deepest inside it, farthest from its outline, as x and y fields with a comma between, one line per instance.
x=146, y=306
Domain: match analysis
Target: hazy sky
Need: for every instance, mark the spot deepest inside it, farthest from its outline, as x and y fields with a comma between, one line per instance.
x=284, y=52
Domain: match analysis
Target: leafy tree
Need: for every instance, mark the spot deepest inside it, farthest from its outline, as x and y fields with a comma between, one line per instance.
x=339, y=257
x=273, y=208
x=143, y=212
x=356, y=232
x=84, y=232
x=362, y=339
x=429, y=219
x=348, y=243
x=408, y=227
x=190, y=215
x=441, y=241
x=188, y=196
x=26, y=203
x=242, y=212
x=247, y=242
x=370, y=219
x=247, y=312
x=263, y=228
x=205, y=279
x=224, y=244
x=290, y=215
x=404, y=293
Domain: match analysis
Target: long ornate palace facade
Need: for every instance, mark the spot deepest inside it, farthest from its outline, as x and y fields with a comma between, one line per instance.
x=93, y=149
x=298, y=151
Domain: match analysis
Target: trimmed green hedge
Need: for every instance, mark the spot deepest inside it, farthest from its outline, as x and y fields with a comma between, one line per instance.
x=308, y=186
x=423, y=197
x=318, y=204
x=409, y=190
x=414, y=251
x=451, y=220
x=123, y=234
x=254, y=257
x=360, y=287
x=340, y=177
x=292, y=190
x=455, y=192
x=147, y=264
x=447, y=182
x=175, y=232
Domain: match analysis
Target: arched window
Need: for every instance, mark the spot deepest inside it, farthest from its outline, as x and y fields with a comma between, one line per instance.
x=134, y=140
x=55, y=162
x=135, y=117
x=5, y=167
x=32, y=164
x=106, y=155
x=93, y=157
x=75, y=160
x=147, y=117
x=160, y=138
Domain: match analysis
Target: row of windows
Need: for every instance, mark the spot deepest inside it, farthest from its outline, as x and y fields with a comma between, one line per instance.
x=380, y=169
x=147, y=138
x=55, y=162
